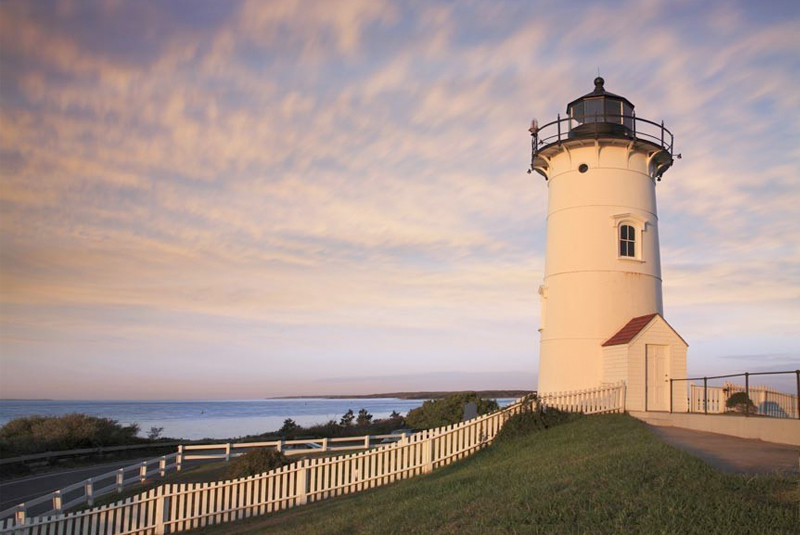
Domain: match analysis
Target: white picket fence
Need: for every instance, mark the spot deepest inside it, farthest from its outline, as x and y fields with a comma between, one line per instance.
x=86, y=491
x=602, y=399
x=173, y=508
x=767, y=400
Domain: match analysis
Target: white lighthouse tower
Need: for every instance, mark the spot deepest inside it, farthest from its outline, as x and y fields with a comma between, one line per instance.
x=602, y=312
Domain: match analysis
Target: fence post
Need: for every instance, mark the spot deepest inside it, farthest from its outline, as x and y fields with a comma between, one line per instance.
x=179, y=459
x=228, y=451
x=162, y=466
x=162, y=508
x=428, y=456
x=366, y=442
x=20, y=515
x=302, y=483
x=89, y=491
x=279, y=446
x=797, y=374
x=57, y=501
x=143, y=472
x=705, y=395
x=747, y=393
x=324, y=445
x=120, y=480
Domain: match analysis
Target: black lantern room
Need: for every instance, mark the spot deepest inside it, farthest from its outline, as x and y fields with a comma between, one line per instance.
x=601, y=112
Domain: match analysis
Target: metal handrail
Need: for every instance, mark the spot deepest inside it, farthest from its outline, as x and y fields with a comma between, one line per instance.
x=558, y=131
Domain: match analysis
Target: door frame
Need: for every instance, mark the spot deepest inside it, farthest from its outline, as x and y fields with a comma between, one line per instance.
x=647, y=386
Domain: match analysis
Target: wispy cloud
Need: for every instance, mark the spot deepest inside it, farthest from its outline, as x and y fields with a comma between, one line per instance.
x=316, y=184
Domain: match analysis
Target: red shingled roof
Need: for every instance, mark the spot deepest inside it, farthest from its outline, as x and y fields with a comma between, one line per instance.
x=629, y=332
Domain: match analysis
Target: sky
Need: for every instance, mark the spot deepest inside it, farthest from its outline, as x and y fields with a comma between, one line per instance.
x=246, y=199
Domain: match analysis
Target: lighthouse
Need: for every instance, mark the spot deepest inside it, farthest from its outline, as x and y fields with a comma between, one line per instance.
x=602, y=313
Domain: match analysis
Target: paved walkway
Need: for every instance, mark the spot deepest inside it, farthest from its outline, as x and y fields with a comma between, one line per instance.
x=733, y=454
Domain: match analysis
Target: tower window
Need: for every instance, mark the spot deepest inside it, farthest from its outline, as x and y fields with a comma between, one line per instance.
x=627, y=241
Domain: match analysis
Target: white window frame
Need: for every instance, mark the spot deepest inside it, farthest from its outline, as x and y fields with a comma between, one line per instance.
x=640, y=227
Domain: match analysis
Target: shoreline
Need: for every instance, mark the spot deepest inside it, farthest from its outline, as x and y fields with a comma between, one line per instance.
x=417, y=395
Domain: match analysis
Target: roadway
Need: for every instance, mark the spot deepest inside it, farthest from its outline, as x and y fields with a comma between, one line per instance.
x=15, y=491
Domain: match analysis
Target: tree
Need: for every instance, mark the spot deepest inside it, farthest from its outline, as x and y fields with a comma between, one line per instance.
x=395, y=415
x=289, y=427
x=347, y=419
x=364, y=418
x=154, y=433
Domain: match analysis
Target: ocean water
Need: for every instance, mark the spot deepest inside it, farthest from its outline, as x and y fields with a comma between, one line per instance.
x=194, y=420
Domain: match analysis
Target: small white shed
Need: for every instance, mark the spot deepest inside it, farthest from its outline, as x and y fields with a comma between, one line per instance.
x=646, y=353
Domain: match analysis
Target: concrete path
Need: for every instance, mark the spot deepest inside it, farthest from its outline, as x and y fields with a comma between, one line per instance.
x=733, y=454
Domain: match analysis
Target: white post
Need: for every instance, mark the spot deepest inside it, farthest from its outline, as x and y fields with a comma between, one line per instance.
x=179, y=459
x=302, y=483
x=57, y=502
x=228, y=451
x=324, y=444
x=279, y=447
x=143, y=472
x=428, y=456
x=161, y=510
x=20, y=514
x=120, y=479
x=89, y=491
x=162, y=466
x=366, y=442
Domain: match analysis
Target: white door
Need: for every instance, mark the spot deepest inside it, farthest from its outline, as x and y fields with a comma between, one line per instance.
x=657, y=380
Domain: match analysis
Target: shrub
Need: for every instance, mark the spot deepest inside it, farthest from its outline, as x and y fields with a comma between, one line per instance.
x=740, y=402
x=36, y=434
x=255, y=462
x=448, y=410
x=533, y=419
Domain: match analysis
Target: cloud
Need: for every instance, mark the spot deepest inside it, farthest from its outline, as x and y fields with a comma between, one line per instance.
x=313, y=166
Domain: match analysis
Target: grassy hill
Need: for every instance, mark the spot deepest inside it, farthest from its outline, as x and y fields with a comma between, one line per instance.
x=601, y=474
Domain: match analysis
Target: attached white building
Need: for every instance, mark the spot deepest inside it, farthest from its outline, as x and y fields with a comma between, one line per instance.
x=603, y=266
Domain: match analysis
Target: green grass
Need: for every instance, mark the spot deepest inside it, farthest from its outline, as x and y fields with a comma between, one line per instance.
x=601, y=474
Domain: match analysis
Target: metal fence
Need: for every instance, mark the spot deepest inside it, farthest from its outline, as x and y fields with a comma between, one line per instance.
x=758, y=400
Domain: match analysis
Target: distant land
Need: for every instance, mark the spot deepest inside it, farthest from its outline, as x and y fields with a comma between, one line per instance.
x=421, y=395
x=26, y=399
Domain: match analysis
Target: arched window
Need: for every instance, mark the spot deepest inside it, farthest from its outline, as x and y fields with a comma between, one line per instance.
x=627, y=241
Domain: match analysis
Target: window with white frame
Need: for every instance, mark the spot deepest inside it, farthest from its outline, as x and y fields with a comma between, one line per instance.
x=627, y=241
x=629, y=230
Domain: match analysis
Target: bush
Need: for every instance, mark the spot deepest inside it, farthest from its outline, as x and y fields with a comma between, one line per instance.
x=37, y=434
x=532, y=420
x=448, y=410
x=255, y=462
x=740, y=402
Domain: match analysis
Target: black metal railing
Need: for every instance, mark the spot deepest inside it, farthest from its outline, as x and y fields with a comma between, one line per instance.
x=714, y=398
x=627, y=126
